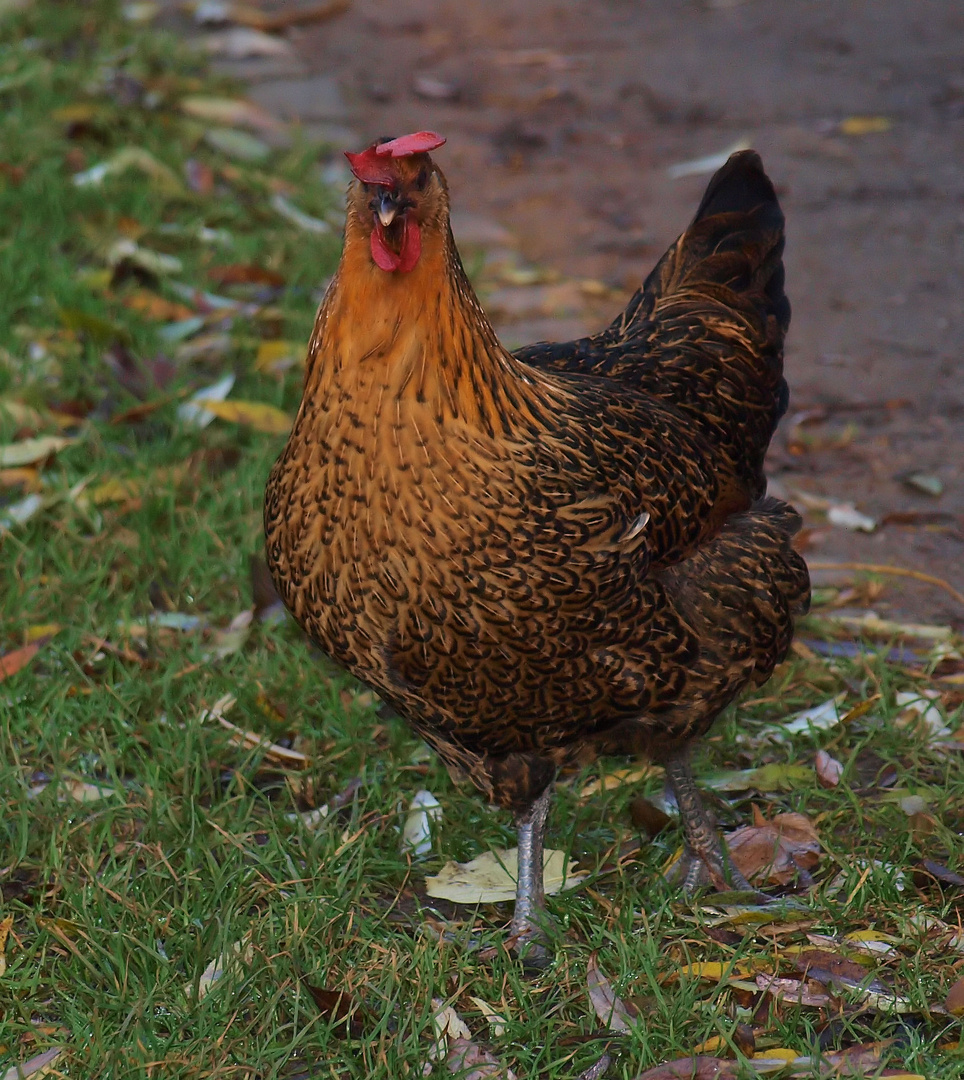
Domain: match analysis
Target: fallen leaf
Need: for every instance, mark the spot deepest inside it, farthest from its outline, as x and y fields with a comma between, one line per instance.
x=131, y=157
x=619, y=777
x=241, y=42
x=847, y=516
x=348, y=1018
x=198, y=415
x=447, y=1022
x=245, y=274
x=776, y=776
x=239, y=953
x=924, y=482
x=253, y=414
x=417, y=832
x=491, y=878
x=237, y=144
x=820, y=717
x=152, y=306
x=38, y=1066
x=921, y=706
x=22, y=511
x=6, y=925
x=286, y=15
x=472, y=1062
x=496, y=1021
x=128, y=252
x=232, y=112
x=609, y=1007
x=32, y=451
x=795, y=991
x=278, y=356
x=695, y=1068
x=954, y=1002
x=864, y=125
x=230, y=640
x=12, y=662
x=828, y=769
x=777, y=850
x=290, y=212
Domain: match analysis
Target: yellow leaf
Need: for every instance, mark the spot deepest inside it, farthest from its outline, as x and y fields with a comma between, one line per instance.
x=869, y=935
x=865, y=125
x=779, y=1052
x=114, y=490
x=30, y=451
x=42, y=630
x=278, y=355
x=491, y=877
x=710, y=1046
x=255, y=414
x=711, y=970
x=5, y=925
x=618, y=777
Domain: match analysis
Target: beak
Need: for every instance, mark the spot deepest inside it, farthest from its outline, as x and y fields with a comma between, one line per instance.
x=386, y=208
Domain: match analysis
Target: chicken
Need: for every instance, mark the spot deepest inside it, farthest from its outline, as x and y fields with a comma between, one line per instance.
x=541, y=557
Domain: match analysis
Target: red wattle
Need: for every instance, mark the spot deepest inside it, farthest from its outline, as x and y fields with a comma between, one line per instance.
x=407, y=258
x=411, y=246
x=383, y=255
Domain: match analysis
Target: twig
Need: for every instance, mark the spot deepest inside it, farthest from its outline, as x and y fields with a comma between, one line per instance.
x=895, y=571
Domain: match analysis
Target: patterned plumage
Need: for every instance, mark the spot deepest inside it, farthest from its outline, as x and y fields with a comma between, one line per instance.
x=542, y=556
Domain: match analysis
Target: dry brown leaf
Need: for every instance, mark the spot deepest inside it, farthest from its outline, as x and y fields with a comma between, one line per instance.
x=5, y=927
x=695, y=1068
x=829, y=770
x=954, y=1002
x=777, y=850
x=152, y=306
x=13, y=661
x=795, y=991
x=609, y=1007
x=472, y=1062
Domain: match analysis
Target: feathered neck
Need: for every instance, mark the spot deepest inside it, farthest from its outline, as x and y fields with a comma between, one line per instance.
x=421, y=336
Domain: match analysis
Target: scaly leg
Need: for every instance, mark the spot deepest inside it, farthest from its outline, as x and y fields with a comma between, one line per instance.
x=528, y=919
x=704, y=848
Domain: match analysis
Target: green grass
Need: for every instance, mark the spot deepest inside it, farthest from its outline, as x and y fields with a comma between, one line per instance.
x=120, y=904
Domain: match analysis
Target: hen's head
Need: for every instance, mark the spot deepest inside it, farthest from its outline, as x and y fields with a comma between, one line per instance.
x=399, y=192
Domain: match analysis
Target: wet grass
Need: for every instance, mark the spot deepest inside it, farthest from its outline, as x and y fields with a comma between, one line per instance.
x=185, y=850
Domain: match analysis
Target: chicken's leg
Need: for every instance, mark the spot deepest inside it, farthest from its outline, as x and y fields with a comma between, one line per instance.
x=704, y=848
x=527, y=927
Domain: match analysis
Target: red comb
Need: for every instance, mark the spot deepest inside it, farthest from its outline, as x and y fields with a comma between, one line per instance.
x=371, y=166
x=420, y=142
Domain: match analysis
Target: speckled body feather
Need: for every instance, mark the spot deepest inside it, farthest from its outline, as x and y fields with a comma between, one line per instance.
x=535, y=558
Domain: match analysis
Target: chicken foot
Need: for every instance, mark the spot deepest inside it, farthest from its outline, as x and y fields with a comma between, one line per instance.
x=704, y=849
x=527, y=929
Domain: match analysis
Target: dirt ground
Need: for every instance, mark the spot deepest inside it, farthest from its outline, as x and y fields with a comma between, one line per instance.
x=563, y=121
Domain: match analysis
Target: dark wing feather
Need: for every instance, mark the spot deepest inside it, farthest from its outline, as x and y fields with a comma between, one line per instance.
x=705, y=332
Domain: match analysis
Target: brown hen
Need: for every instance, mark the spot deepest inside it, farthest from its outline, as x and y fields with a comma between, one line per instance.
x=539, y=557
